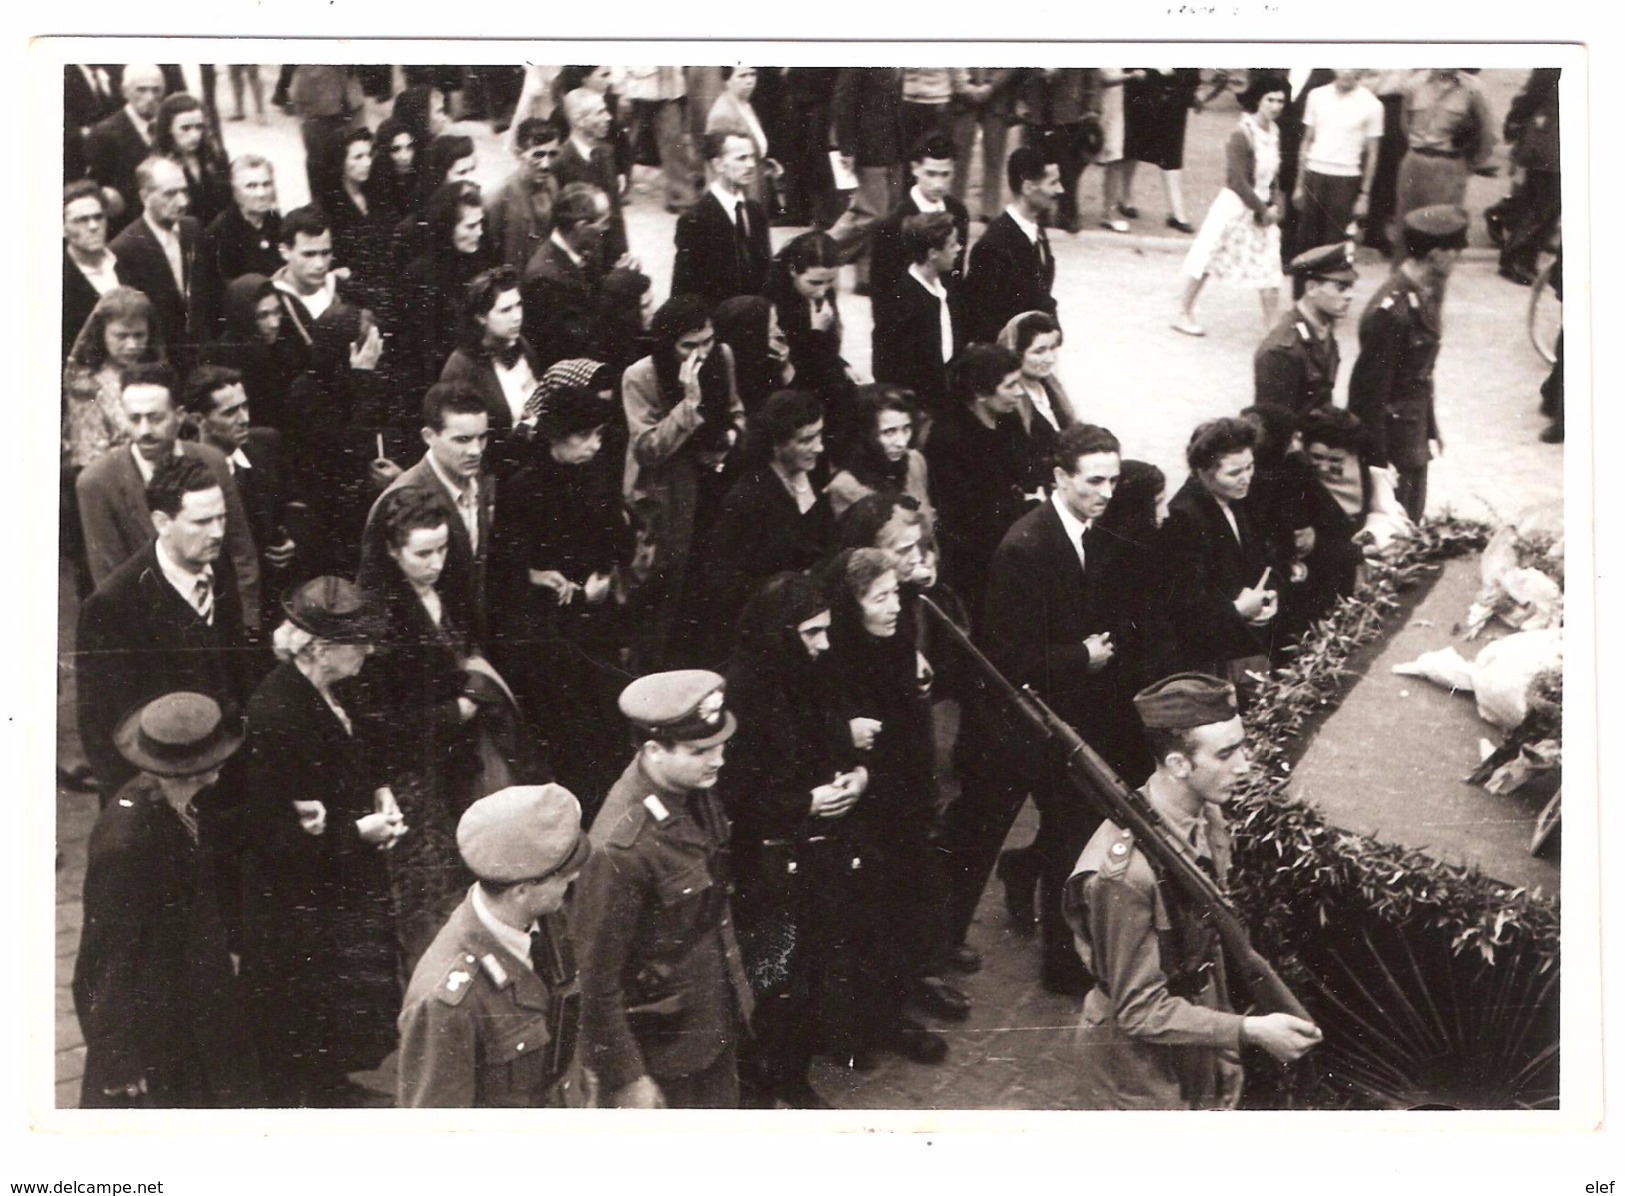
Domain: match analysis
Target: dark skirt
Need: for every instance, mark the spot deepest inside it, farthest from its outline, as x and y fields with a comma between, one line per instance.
x=1154, y=124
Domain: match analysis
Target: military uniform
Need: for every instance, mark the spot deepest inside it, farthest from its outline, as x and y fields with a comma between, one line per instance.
x=1156, y=1031
x=1391, y=388
x=481, y=1029
x=664, y=992
x=1293, y=367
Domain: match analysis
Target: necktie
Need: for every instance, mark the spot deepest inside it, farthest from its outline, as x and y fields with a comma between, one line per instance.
x=470, y=511
x=1043, y=249
x=152, y=131
x=1083, y=550
x=741, y=237
x=203, y=599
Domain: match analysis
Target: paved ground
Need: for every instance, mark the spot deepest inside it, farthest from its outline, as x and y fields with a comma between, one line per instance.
x=1125, y=369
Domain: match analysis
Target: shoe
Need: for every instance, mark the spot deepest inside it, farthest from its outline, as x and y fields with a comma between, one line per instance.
x=1117, y=226
x=1064, y=976
x=801, y=1096
x=1188, y=328
x=1552, y=434
x=1018, y=872
x=914, y=1042
x=965, y=959
x=1180, y=226
x=1518, y=275
x=940, y=999
x=1128, y=211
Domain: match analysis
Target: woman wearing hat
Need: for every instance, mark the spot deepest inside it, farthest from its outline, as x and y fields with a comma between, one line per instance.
x=153, y=984
x=319, y=958
x=559, y=550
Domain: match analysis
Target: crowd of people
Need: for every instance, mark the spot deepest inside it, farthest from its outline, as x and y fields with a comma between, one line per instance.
x=403, y=520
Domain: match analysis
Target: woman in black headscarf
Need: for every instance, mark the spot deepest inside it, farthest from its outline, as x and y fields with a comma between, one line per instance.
x=1131, y=519
x=626, y=305
x=428, y=319
x=748, y=325
x=804, y=904
x=252, y=345
x=181, y=134
x=801, y=286
x=394, y=179
x=447, y=159
x=882, y=690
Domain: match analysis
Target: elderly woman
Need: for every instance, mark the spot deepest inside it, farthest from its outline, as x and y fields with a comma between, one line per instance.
x=496, y=360
x=319, y=959
x=773, y=519
x=560, y=548
x=879, y=456
x=1046, y=411
x=882, y=696
x=420, y=694
x=1220, y=575
x=427, y=319
x=181, y=134
x=683, y=417
x=792, y=784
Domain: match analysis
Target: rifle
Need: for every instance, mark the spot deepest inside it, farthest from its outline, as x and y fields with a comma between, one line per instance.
x=1094, y=778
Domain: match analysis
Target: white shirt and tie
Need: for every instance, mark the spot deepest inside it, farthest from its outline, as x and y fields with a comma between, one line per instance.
x=734, y=205
x=1033, y=233
x=197, y=588
x=925, y=205
x=467, y=500
x=1076, y=529
x=515, y=941
x=170, y=242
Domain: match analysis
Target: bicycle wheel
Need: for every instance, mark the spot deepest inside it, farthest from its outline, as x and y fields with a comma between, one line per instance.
x=1545, y=315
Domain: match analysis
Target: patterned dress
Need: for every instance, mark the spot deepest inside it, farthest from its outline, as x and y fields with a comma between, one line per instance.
x=1232, y=244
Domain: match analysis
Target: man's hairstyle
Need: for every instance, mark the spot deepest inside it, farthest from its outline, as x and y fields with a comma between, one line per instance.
x=979, y=369
x=1334, y=427
x=251, y=162
x=1259, y=85
x=145, y=172
x=83, y=189
x=486, y=287
x=534, y=131
x=450, y=398
x=405, y=510
x=307, y=219
x=578, y=204
x=1162, y=740
x=864, y=523
x=203, y=382
x=1216, y=439
x=716, y=142
x=932, y=145
x=175, y=478
x=924, y=234
x=1079, y=441
x=152, y=373
x=1026, y=164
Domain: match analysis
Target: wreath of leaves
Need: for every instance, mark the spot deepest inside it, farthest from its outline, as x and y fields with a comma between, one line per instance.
x=1293, y=871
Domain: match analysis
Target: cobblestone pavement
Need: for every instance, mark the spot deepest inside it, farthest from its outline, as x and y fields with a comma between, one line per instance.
x=1126, y=369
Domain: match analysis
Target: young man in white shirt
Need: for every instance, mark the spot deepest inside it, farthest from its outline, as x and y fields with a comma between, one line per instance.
x=1342, y=124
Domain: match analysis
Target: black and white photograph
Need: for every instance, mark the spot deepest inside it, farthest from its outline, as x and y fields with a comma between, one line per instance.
x=819, y=592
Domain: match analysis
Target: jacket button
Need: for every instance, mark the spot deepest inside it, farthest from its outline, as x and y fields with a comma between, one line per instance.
x=520, y=1047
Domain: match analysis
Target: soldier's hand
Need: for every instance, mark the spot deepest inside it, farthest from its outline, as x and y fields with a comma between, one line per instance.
x=1283, y=1036
x=1101, y=650
x=641, y=1093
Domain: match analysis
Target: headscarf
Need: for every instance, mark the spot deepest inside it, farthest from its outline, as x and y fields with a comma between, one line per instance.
x=767, y=637
x=679, y=315
x=1132, y=512
x=243, y=294
x=387, y=189
x=573, y=373
x=741, y=323
x=1065, y=413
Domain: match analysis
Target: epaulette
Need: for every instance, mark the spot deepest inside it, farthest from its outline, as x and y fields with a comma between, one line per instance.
x=627, y=830
x=493, y=969
x=1387, y=302
x=458, y=980
x=1118, y=856
x=1303, y=332
x=1416, y=304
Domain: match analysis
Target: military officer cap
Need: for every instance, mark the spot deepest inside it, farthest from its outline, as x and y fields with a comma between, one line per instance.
x=679, y=707
x=1186, y=700
x=1440, y=226
x=524, y=832
x=1330, y=263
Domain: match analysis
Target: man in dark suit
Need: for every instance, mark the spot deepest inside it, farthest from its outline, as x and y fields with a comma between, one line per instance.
x=932, y=164
x=588, y=157
x=241, y=240
x=88, y=96
x=120, y=142
x=563, y=307
x=723, y=246
x=456, y=429
x=1051, y=620
x=154, y=984
x=169, y=618
x=217, y=406
x=157, y=251
x=112, y=491
x=1011, y=267
x=89, y=267
x=922, y=328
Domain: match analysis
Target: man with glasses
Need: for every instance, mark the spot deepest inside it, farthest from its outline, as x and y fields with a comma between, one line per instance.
x=519, y=216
